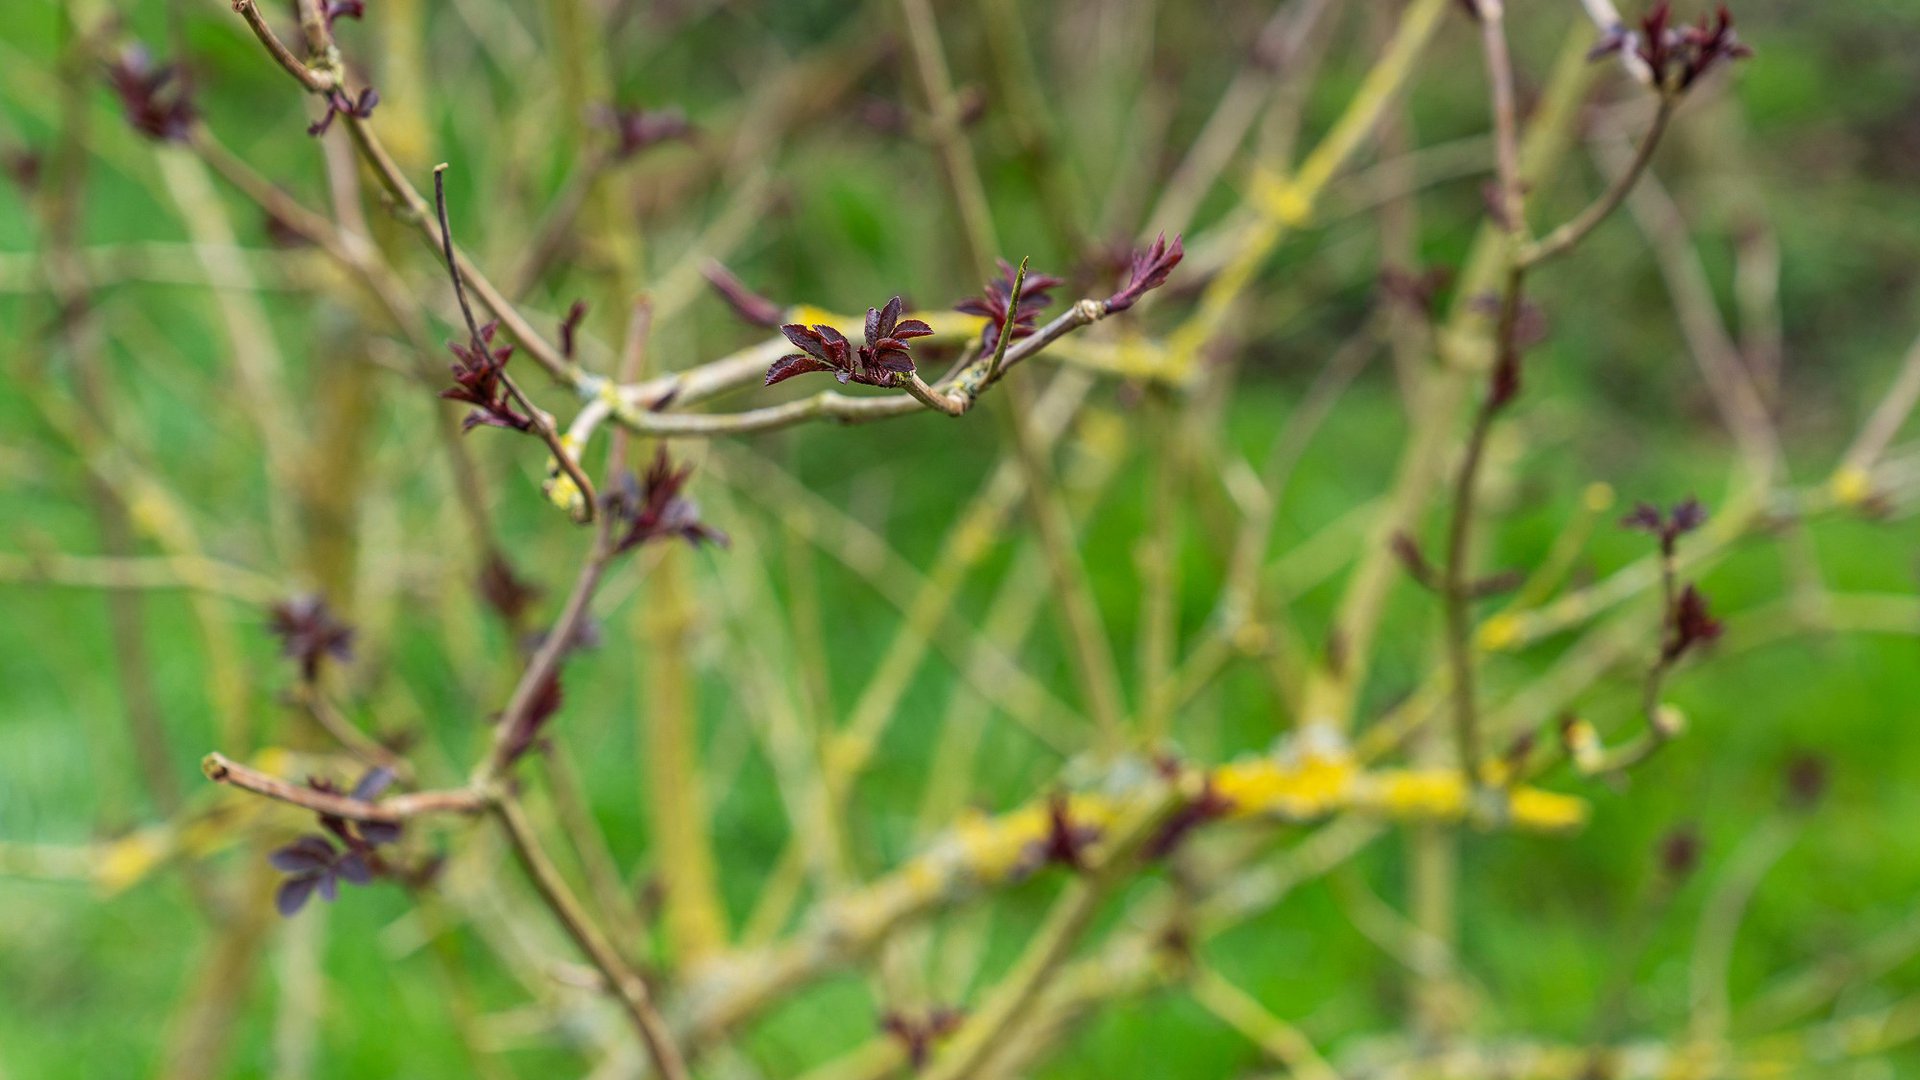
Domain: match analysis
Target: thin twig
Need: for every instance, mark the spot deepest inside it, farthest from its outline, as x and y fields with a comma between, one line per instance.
x=625, y=982
x=1562, y=239
x=392, y=810
x=316, y=81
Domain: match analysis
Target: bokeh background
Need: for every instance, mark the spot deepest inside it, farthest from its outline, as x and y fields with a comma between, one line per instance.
x=1794, y=183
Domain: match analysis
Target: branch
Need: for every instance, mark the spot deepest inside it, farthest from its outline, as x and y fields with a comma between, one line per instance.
x=1566, y=236
x=316, y=82
x=626, y=983
x=224, y=770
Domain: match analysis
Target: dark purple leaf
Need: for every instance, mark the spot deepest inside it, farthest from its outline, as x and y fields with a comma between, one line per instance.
x=306, y=854
x=293, y=893
x=376, y=780
x=353, y=868
x=379, y=832
x=795, y=364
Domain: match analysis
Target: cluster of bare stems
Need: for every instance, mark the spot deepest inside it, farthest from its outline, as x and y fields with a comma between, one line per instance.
x=1132, y=810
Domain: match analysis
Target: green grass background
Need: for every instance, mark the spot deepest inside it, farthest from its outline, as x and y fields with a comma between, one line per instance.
x=1826, y=120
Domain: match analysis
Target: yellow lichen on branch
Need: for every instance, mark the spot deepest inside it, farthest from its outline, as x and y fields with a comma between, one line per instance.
x=1296, y=785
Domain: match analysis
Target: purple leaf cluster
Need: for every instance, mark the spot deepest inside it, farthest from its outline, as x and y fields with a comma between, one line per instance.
x=153, y=97
x=885, y=355
x=477, y=370
x=657, y=508
x=1687, y=515
x=1678, y=55
x=309, y=633
x=318, y=862
x=1688, y=623
x=998, y=299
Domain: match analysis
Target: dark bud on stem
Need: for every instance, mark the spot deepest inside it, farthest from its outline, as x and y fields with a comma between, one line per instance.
x=1689, y=624
x=1147, y=271
x=1067, y=841
x=752, y=308
x=570, y=326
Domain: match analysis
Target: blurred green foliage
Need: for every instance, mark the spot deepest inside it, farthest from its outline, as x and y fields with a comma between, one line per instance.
x=1820, y=134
